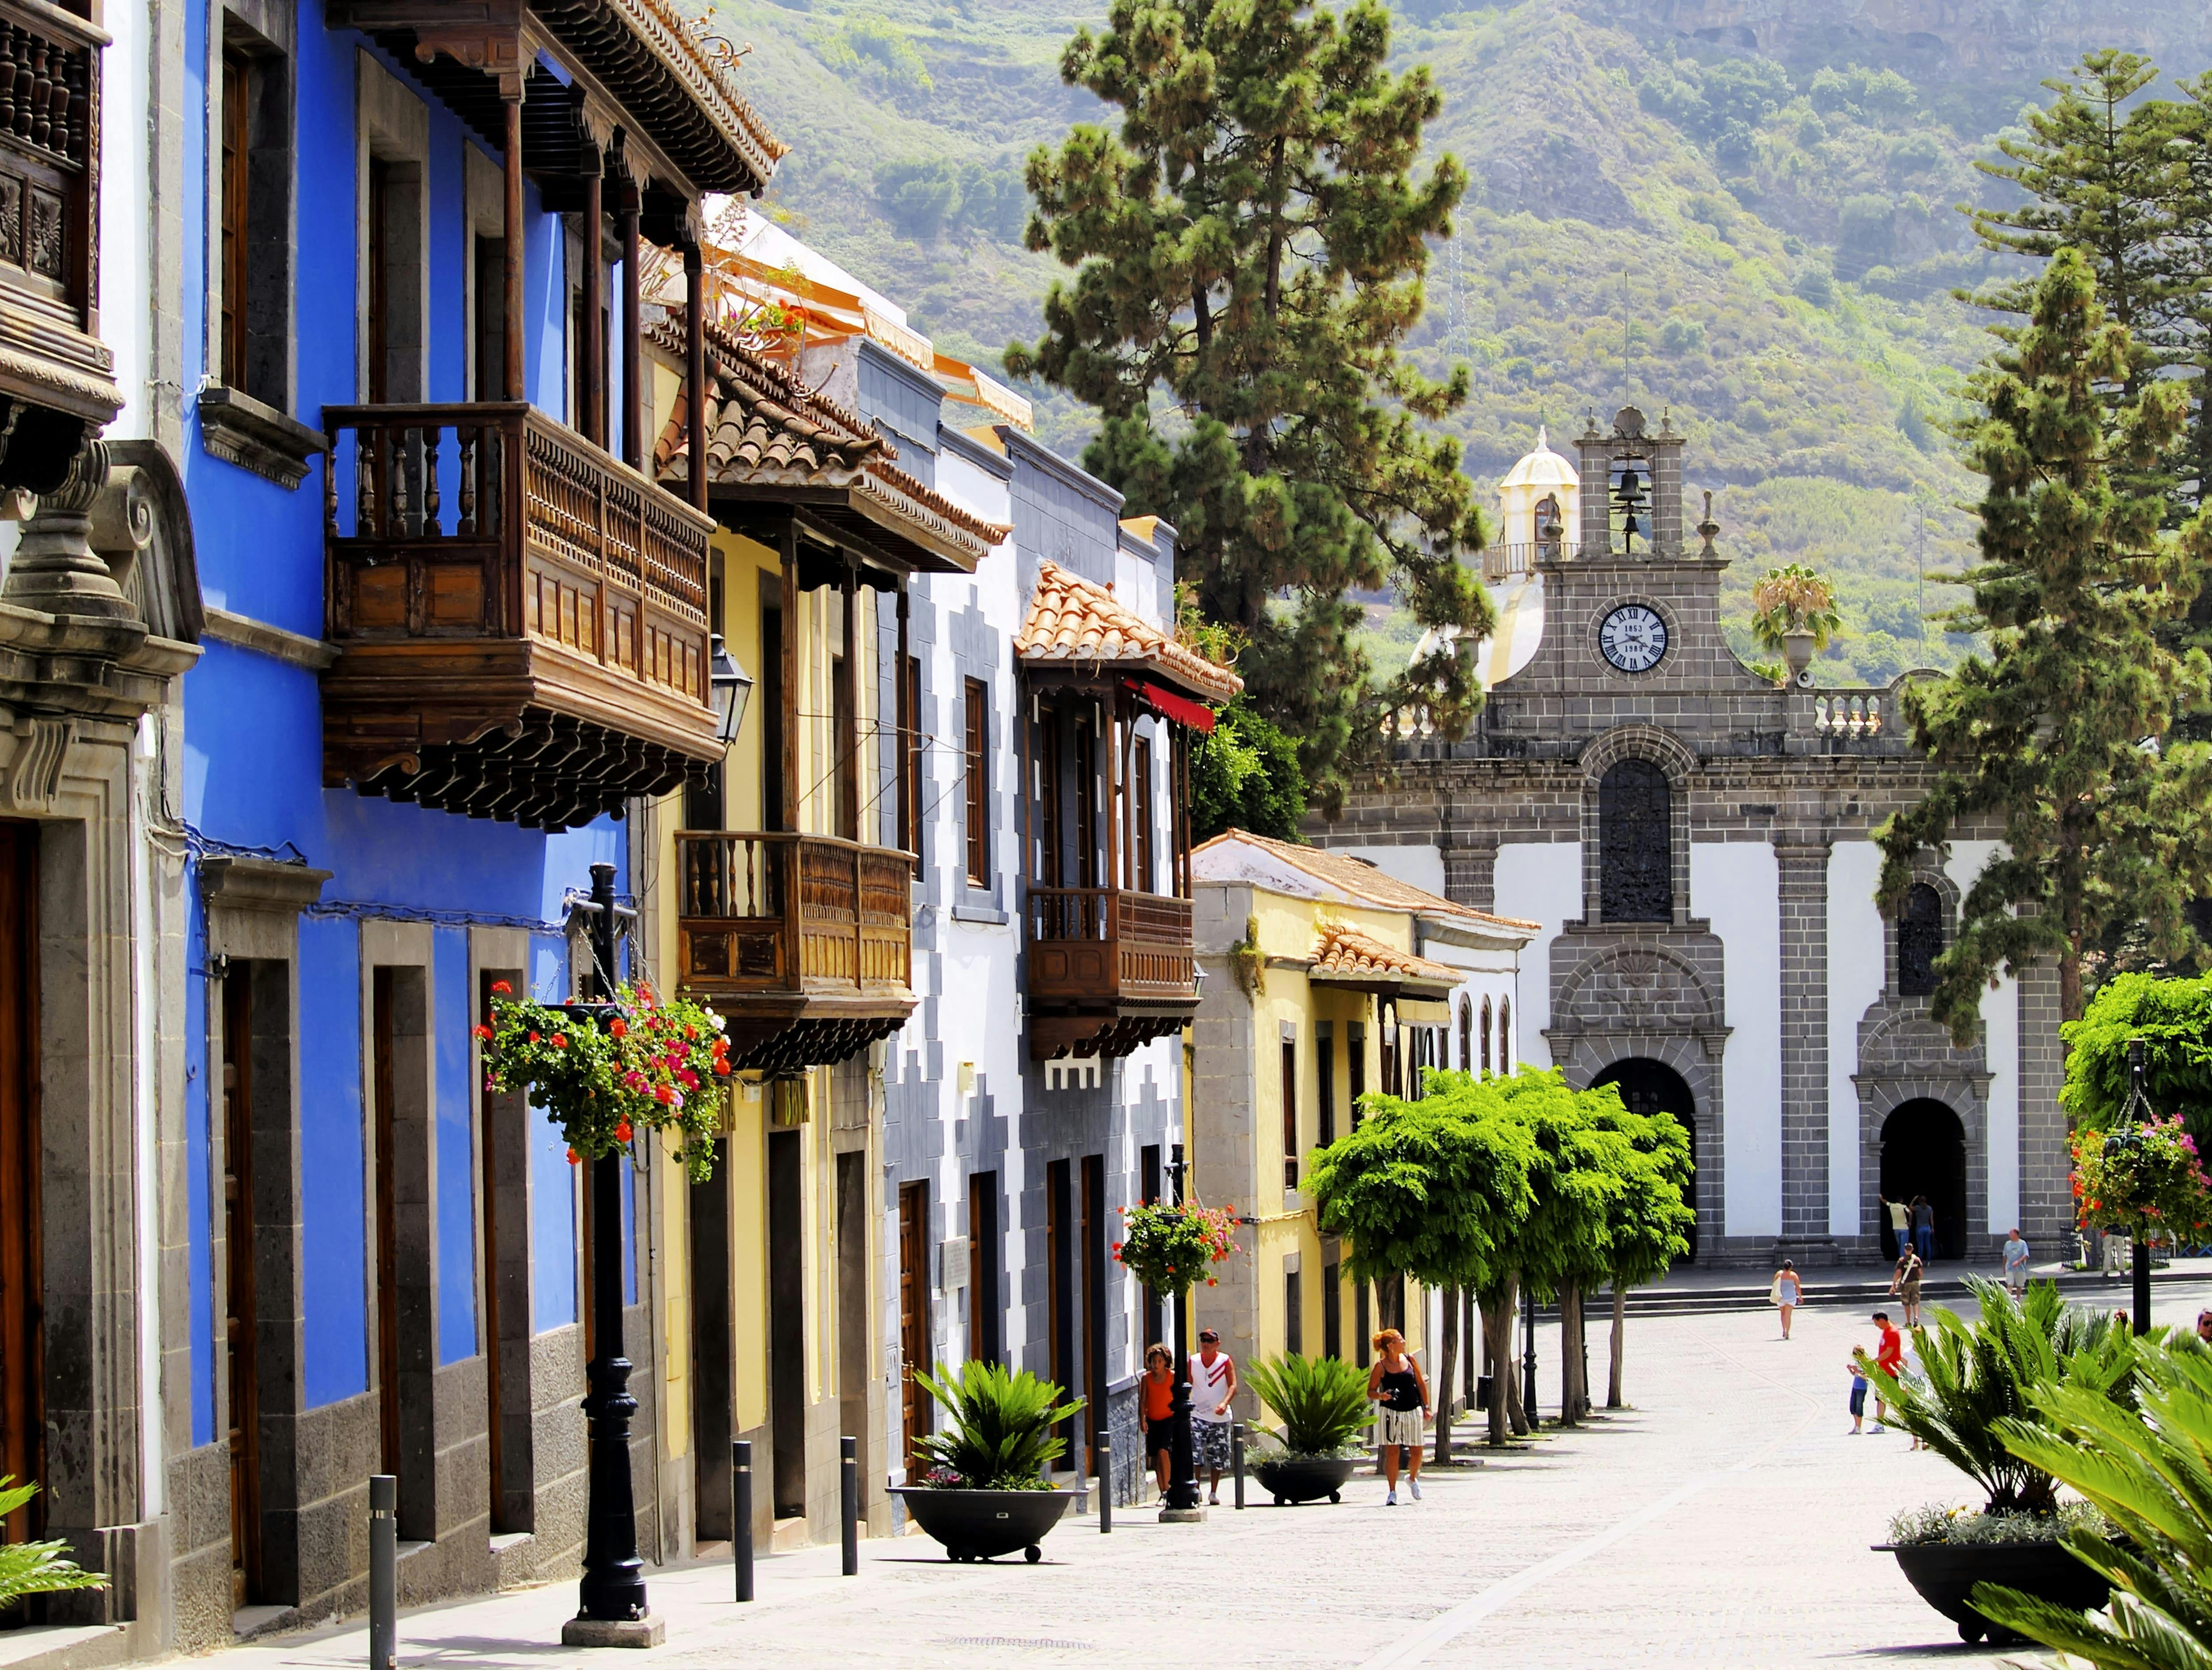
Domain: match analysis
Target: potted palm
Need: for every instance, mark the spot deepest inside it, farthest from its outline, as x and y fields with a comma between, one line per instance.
x=1976, y=1383
x=1319, y=1406
x=984, y=1489
x=1794, y=614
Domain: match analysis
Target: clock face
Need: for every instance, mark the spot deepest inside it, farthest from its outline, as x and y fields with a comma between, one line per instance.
x=1633, y=637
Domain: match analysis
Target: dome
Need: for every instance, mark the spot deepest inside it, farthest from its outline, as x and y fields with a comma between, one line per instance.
x=1542, y=468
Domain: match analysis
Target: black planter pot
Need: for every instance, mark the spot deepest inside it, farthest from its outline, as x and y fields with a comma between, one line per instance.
x=982, y=1525
x=1303, y=1477
x=1945, y=1573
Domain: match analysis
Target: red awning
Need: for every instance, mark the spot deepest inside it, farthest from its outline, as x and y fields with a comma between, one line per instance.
x=1181, y=709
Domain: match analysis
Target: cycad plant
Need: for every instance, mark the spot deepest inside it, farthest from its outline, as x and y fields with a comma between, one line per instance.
x=2149, y=1471
x=1001, y=1434
x=1974, y=1378
x=1320, y=1403
x=36, y=1568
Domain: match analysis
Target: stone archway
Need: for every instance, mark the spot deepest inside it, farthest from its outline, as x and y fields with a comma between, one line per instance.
x=1652, y=1086
x=1923, y=1153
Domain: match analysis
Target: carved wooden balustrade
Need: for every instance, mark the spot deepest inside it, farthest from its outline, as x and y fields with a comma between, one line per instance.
x=49, y=158
x=802, y=943
x=1109, y=969
x=522, y=617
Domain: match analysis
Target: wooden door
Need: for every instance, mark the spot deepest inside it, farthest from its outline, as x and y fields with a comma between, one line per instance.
x=487, y=1146
x=244, y=1414
x=913, y=1309
x=22, y=1412
x=383, y=1022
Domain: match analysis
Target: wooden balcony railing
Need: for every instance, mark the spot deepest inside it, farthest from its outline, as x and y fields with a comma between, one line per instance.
x=49, y=159
x=794, y=915
x=1103, y=947
x=455, y=530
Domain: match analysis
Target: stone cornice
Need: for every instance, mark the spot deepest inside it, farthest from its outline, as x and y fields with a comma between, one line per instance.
x=242, y=430
x=275, y=642
x=229, y=882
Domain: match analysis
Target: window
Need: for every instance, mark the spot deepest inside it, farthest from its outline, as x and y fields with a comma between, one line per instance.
x=1485, y=1034
x=983, y=1266
x=1141, y=812
x=911, y=834
x=254, y=347
x=978, y=775
x=1919, y=941
x=1289, y=1114
x=1148, y=1185
x=1504, y=1034
x=1635, y=820
x=1355, y=1060
x=841, y=739
x=1294, y=1310
x=1325, y=1069
x=1466, y=1035
x=491, y=322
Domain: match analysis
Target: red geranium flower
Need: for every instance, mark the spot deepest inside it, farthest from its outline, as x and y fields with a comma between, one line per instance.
x=533, y=1037
x=483, y=1032
x=572, y=1157
x=616, y=1028
x=559, y=1040
x=623, y=1132
x=500, y=989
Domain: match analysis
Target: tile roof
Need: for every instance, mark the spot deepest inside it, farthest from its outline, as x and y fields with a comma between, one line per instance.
x=1071, y=620
x=1364, y=882
x=764, y=429
x=1347, y=953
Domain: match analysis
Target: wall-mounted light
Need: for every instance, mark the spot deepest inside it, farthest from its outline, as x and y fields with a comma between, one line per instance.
x=730, y=685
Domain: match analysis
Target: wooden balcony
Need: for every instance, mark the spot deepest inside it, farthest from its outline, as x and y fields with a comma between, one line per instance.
x=522, y=619
x=802, y=943
x=55, y=374
x=1108, y=970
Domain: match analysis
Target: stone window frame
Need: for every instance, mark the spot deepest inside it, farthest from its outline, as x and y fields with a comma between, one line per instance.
x=1927, y=871
x=1667, y=752
x=392, y=126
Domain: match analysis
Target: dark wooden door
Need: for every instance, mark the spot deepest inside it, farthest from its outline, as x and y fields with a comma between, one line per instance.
x=22, y=1412
x=487, y=1146
x=383, y=1021
x=914, y=1310
x=1094, y=1412
x=244, y=1422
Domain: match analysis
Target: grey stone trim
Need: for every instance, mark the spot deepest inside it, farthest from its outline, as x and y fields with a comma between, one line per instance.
x=959, y=443
x=260, y=637
x=1803, y=887
x=242, y=430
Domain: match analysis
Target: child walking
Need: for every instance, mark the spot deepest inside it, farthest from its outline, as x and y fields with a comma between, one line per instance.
x=1858, y=1397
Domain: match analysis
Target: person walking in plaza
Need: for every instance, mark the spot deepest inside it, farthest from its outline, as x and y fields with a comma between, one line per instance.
x=2204, y=1326
x=1159, y=1410
x=1923, y=1228
x=1858, y=1397
x=1213, y=1384
x=1905, y=1284
x=1787, y=1292
x=1397, y=1384
x=2016, y=1264
x=1889, y=1359
x=1900, y=1225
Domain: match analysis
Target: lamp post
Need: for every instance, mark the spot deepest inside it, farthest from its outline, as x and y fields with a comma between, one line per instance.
x=730, y=685
x=2126, y=1135
x=612, y=1610
x=1182, y=1503
x=1528, y=1353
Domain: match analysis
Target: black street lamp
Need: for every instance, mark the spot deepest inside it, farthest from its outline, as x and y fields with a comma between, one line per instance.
x=1529, y=1354
x=1183, y=1465
x=612, y=1610
x=2126, y=1135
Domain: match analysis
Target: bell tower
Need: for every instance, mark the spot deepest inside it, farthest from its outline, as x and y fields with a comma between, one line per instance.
x=1631, y=489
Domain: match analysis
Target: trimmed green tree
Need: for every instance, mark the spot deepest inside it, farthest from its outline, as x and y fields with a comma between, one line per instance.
x=1249, y=249
x=1246, y=775
x=1651, y=1218
x=2053, y=740
x=2172, y=1018
x=1436, y=1190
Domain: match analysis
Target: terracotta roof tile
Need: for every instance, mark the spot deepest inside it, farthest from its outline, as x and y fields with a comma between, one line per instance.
x=1347, y=952
x=1365, y=882
x=1071, y=620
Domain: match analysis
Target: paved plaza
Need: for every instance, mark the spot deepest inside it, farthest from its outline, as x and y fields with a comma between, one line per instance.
x=1723, y=1523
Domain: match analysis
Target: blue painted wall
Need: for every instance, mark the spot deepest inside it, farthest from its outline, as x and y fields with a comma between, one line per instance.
x=253, y=766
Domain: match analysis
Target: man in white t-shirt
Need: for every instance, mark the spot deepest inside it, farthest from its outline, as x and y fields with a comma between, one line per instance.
x=2016, y=1263
x=1213, y=1385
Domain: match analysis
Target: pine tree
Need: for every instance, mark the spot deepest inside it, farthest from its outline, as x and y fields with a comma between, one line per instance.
x=2060, y=740
x=1248, y=253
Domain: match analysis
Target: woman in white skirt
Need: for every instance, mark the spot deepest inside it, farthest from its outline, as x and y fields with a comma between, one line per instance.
x=1396, y=1384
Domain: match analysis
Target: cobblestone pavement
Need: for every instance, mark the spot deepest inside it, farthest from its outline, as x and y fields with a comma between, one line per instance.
x=1723, y=1523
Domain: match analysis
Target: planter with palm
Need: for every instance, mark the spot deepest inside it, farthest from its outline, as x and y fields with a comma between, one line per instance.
x=986, y=1478
x=1794, y=614
x=1319, y=1406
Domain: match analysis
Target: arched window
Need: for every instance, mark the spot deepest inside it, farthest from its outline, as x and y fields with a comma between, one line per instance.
x=1485, y=1034
x=1504, y=1035
x=1919, y=941
x=1635, y=820
x=1466, y=1034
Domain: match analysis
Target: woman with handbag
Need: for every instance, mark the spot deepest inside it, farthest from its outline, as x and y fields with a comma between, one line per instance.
x=1787, y=1292
x=1397, y=1384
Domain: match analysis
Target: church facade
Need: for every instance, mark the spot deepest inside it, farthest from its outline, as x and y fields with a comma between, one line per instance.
x=1695, y=840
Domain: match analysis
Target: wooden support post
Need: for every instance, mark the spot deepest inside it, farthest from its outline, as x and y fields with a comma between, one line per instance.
x=592, y=375
x=907, y=809
x=848, y=745
x=633, y=407
x=516, y=388
x=788, y=765
x=695, y=369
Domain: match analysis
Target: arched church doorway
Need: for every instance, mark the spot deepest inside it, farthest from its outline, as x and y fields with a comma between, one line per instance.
x=1652, y=1086
x=1924, y=1152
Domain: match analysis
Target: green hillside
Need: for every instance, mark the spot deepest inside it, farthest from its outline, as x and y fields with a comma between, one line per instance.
x=1761, y=243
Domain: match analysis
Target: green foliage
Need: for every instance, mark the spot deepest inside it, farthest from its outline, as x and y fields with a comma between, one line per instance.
x=873, y=46
x=925, y=197
x=36, y=1568
x=1246, y=775
x=1169, y=1247
x=1438, y=1189
x=1000, y=1437
x=2046, y=734
x=1580, y=1176
x=2173, y=1020
x=2143, y=1178
x=2148, y=1470
x=1793, y=599
x=1651, y=1219
x=1964, y=1527
x=1250, y=246
x=1320, y=1403
x=1975, y=1378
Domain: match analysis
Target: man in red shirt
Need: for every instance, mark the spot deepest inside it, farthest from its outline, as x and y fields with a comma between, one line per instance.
x=1889, y=1357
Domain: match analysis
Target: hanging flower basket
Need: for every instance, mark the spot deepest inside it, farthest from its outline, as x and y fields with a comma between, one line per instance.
x=2146, y=1177
x=603, y=1072
x=1169, y=1248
